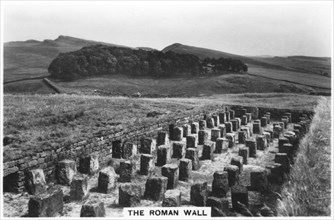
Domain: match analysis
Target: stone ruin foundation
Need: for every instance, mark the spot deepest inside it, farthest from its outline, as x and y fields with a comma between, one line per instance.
x=251, y=150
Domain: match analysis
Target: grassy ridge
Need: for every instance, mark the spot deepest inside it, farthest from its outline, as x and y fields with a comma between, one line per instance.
x=308, y=193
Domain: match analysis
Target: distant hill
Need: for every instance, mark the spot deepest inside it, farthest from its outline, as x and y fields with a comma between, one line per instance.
x=29, y=59
x=306, y=64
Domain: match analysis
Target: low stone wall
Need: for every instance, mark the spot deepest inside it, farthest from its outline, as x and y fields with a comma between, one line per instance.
x=46, y=157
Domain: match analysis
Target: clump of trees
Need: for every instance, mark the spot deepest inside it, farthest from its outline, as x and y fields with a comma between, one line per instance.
x=104, y=60
x=222, y=65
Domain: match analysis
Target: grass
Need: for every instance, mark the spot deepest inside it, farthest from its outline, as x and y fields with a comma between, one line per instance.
x=44, y=120
x=180, y=87
x=293, y=76
x=308, y=193
x=33, y=86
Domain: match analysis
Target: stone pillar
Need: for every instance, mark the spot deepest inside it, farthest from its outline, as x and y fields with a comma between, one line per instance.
x=171, y=171
x=221, y=145
x=207, y=153
x=271, y=135
x=285, y=122
x=107, y=180
x=79, y=187
x=243, y=111
x=146, y=164
x=215, y=133
x=222, y=117
x=268, y=118
x=234, y=124
x=251, y=144
x=186, y=130
x=129, y=195
x=220, y=184
x=48, y=204
x=238, y=122
x=288, y=114
x=233, y=174
x=179, y=150
x=244, y=152
x=232, y=114
x=155, y=188
x=288, y=149
x=228, y=116
x=199, y=193
x=178, y=134
x=246, y=130
x=192, y=154
x=239, y=193
x=283, y=159
x=263, y=122
x=66, y=169
x=171, y=130
x=219, y=206
x=92, y=209
x=35, y=181
x=222, y=130
x=117, y=151
x=231, y=139
x=172, y=198
x=259, y=181
x=244, y=120
x=228, y=126
x=129, y=150
x=210, y=123
x=277, y=131
x=256, y=128
x=282, y=124
x=216, y=120
x=282, y=141
x=125, y=171
x=261, y=142
x=249, y=117
x=250, y=128
x=89, y=165
x=202, y=125
x=148, y=146
x=203, y=136
x=194, y=127
x=191, y=141
x=237, y=161
x=185, y=169
x=242, y=137
x=163, y=155
x=163, y=138
x=277, y=173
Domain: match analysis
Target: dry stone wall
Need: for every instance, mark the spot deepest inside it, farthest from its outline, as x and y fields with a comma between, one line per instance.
x=47, y=157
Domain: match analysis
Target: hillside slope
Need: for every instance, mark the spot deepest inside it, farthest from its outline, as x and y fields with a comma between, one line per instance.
x=29, y=59
x=306, y=64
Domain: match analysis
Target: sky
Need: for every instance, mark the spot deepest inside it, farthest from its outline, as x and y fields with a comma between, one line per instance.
x=244, y=28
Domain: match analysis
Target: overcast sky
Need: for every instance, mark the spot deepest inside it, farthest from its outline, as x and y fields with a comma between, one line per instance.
x=241, y=28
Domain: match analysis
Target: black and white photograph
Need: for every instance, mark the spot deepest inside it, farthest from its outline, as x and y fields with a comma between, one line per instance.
x=166, y=109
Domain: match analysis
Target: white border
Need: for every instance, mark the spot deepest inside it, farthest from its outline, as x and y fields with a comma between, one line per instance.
x=170, y=2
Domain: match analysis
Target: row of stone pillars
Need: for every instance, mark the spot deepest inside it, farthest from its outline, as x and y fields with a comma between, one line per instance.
x=226, y=130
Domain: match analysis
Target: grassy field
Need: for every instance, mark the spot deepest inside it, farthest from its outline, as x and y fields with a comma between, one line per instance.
x=292, y=76
x=308, y=193
x=33, y=86
x=180, y=87
x=36, y=120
